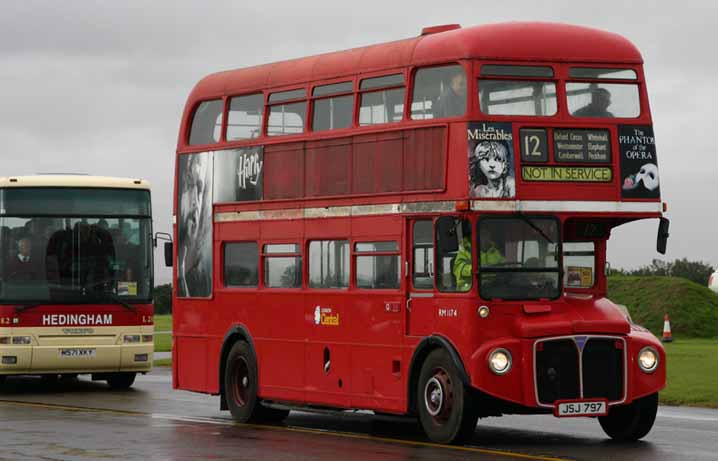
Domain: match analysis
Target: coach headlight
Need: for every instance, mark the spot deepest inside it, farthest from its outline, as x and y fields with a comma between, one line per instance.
x=130, y=339
x=500, y=361
x=648, y=359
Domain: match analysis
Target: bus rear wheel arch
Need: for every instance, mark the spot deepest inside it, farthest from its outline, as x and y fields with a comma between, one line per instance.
x=447, y=412
x=241, y=385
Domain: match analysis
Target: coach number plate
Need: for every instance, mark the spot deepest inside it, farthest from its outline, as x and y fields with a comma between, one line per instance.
x=582, y=408
x=77, y=352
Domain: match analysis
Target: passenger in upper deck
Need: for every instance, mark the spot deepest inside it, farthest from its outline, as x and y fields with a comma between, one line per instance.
x=600, y=100
x=452, y=100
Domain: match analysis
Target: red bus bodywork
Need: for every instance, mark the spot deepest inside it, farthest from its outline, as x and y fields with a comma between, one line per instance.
x=316, y=188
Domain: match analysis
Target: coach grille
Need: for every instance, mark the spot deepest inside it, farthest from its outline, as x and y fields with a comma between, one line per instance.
x=603, y=369
x=557, y=371
x=579, y=367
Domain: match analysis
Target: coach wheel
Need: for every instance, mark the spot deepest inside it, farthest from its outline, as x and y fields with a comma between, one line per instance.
x=121, y=381
x=240, y=383
x=446, y=411
x=2, y=379
x=628, y=423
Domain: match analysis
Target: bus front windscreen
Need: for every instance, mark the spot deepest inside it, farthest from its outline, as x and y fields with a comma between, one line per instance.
x=518, y=258
x=76, y=258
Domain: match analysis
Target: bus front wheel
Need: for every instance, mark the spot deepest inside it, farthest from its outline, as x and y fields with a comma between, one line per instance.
x=121, y=381
x=627, y=423
x=446, y=410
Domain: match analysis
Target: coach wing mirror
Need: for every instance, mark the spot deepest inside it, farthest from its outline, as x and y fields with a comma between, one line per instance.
x=663, y=234
x=167, y=238
x=447, y=240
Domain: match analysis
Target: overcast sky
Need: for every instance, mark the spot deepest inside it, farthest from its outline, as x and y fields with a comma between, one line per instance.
x=99, y=86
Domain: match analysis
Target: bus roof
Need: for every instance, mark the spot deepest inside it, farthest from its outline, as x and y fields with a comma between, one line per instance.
x=69, y=180
x=515, y=41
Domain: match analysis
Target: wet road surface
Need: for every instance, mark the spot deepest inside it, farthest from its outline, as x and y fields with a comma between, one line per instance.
x=81, y=420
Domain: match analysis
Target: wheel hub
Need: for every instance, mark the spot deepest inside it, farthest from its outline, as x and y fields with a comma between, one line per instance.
x=438, y=396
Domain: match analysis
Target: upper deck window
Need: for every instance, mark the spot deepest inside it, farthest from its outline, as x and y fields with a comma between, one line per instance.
x=335, y=112
x=384, y=100
x=517, y=97
x=439, y=92
x=244, y=120
x=206, y=123
x=288, y=118
x=497, y=70
x=605, y=100
x=601, y=73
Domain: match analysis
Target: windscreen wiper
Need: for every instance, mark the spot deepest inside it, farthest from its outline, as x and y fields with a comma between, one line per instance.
x=528, y=221
x=116, y=299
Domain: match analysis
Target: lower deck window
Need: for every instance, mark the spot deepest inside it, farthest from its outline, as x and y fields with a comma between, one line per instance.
x=282, y=266
x=241, y=264
x=378, y=265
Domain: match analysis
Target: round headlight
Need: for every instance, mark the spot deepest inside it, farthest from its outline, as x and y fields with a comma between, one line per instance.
x=648, y=359
x=500, y=361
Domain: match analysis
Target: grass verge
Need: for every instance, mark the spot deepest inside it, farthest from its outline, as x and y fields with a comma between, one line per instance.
x=163, y=363
x=163, y=322
x=163, y=342
x=692, y=373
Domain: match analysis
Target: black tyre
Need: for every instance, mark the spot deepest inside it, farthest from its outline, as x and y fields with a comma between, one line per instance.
x=121, y=381
x=241, y=384
x=2, y=379
x=628, y=423
x=49, y=380
x=446, y=410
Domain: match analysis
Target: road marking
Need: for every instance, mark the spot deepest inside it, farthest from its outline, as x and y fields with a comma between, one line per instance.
x=348, y=435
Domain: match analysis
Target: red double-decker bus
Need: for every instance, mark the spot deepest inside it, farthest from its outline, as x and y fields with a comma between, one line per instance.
x=419, y=227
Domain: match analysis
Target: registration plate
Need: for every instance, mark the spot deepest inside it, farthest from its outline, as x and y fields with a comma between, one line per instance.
x=77, y=352
x=581, y=408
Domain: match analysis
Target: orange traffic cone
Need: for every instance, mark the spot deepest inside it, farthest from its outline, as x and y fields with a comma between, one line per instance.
x=667, y=338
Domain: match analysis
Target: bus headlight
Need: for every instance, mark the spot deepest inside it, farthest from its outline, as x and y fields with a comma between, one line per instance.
x=129, y=339
x=500, y=361
x=23, y=340
x=648, y=359
x=4, y=340
x=147, y=338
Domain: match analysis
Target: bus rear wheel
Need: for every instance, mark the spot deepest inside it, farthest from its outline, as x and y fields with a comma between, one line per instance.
x=121, y=381
x=628, y=423
x=446, y=411
x=240, y=383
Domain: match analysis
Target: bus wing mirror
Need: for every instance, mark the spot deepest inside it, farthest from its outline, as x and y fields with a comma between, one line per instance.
x=663, y=234
x=168, y=254
x=447, y=240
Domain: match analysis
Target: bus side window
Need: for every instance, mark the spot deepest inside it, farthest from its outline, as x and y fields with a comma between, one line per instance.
x=382, y=100
x=241, y=264
x=329, y=264
x=244, y=120
x=282, y=266
x=378, y=265
x=439, y=92
x=423, y=248
x=331, y=113
x=206, y=123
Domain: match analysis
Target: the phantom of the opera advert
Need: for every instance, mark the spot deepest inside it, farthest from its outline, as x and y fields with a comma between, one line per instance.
x=639, y=166
x=491, y=160
x=238, y=174
x=194, y=240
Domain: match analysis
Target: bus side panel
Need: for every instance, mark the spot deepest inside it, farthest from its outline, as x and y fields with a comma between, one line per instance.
x=192, y=358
